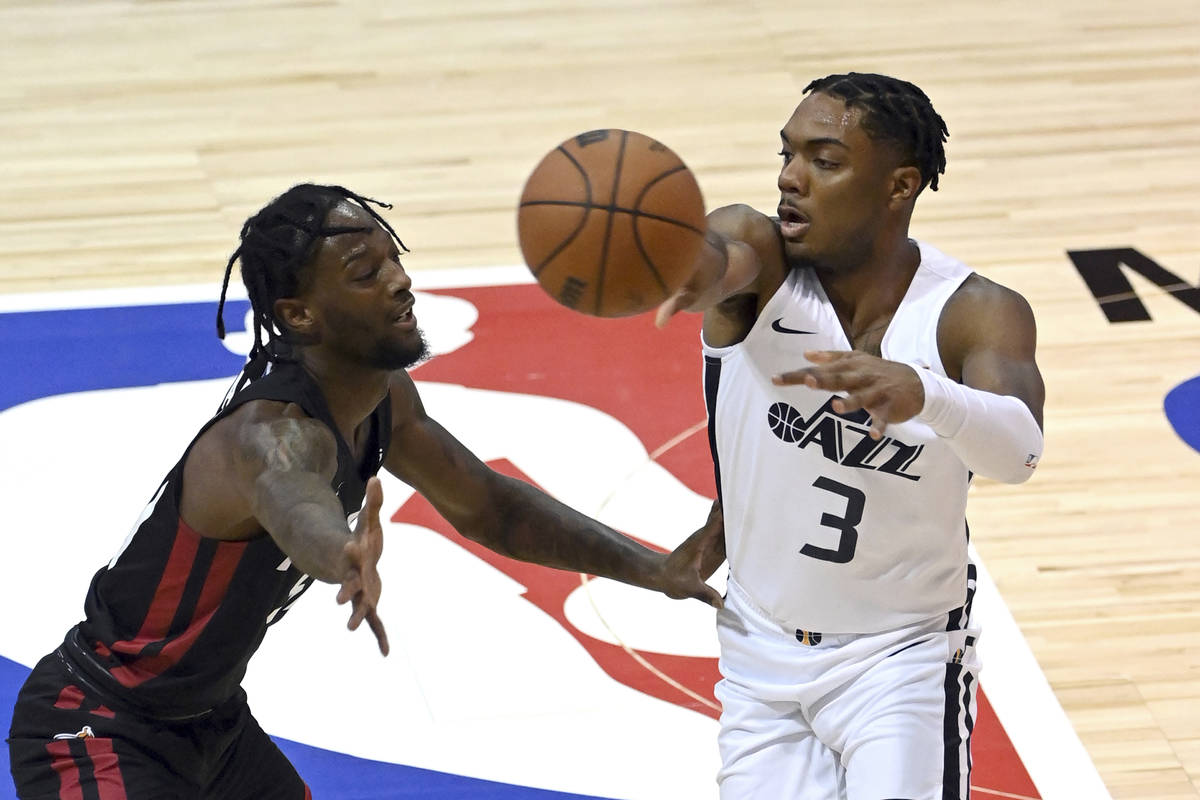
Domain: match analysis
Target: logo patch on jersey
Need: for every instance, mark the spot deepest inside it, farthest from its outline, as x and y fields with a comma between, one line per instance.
x=85, y=732
x=810, y=638
x=779, y=327
x=843, y=439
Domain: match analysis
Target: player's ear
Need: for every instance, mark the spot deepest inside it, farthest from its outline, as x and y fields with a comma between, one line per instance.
x=297, y=318
x=904, y=187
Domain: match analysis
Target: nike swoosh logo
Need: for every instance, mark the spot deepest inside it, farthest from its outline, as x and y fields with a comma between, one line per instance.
x=778, y=326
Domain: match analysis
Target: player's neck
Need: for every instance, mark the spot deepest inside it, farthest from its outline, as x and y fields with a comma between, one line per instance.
x=873, y=290
x=352, y=391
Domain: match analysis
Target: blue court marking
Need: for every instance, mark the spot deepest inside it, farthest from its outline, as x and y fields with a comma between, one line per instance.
x=44, y=353
x=1182, y=407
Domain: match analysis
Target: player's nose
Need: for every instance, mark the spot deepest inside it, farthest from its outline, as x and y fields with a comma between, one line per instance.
x=793, y=179
x=397, y=279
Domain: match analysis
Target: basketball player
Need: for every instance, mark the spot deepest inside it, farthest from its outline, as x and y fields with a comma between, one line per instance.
x=856, y=379
x=142, y=700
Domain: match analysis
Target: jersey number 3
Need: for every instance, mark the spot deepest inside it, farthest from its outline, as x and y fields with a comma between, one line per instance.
x=855, y=500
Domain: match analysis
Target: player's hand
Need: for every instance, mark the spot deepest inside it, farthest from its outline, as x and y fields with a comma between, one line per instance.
x=890, y=391
x=691, y=563
x=703, y=287
x=362, y=586
x=685, y=297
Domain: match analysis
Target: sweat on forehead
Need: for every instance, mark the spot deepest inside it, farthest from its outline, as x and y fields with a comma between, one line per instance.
x=822, y=118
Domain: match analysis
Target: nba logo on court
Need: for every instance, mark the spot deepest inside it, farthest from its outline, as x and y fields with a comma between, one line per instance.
x=552, y=663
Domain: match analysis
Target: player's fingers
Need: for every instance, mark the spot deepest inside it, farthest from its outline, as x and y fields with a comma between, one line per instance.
x=847, y=404
x=827, y=356
x=373, y=501
x=376, y=625
x=672, y=306
x=879, y=416
x=351, y=586
x=797, y=377
x=711, y=596
x=833, y=377
x=361, y=610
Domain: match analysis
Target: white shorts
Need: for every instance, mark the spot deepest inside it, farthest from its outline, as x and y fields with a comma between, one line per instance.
x=845, y=716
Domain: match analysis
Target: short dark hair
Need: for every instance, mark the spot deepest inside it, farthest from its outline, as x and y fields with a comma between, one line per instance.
x=276, y=252
x=896, y=111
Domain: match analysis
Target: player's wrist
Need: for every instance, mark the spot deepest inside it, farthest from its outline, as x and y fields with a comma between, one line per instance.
x=658, y=573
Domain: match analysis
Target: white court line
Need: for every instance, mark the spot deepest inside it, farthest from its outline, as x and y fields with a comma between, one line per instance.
x=1022, y=698
x=636, y=656
x=997, y=793
x=699, y=426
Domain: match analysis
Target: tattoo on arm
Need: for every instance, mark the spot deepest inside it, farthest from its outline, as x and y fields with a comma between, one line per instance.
x=289, y=464
x=285, y=445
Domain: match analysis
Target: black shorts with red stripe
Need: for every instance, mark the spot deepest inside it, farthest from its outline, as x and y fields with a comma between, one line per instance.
x=69, y=743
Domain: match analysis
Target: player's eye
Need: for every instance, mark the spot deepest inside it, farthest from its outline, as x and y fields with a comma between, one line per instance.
x=786, y=156
x=824, y=163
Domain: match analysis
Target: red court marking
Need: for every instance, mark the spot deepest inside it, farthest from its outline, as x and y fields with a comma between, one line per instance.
x=651, y=381
x=548, y=589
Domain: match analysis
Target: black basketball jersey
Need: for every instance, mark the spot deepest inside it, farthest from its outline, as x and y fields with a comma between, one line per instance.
x=174, y=617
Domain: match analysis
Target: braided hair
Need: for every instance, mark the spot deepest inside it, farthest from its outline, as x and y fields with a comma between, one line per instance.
x=895, y=111
x=276, y=249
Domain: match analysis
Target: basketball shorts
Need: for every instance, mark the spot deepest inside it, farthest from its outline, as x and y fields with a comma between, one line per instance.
x=811, y=716
x=68, y=743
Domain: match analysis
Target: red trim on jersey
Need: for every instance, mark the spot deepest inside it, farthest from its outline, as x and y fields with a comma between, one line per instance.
x=71, y=697
x=104, y=711
x=166, y=595
x=63, y=763
x=307, y=792
x=107, y=769
x=216, y=583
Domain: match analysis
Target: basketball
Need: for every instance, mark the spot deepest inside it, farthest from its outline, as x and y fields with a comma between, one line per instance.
x=610, y=223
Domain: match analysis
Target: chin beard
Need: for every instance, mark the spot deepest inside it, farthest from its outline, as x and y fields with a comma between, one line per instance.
x=402, y=356
x=845, y=261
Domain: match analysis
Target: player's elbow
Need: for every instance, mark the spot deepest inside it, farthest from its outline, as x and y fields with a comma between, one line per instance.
x=1013, y=475
x=1013, y=467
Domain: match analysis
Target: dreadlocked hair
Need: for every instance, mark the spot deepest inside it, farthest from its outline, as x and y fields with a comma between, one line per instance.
x=276, y=249
x=896, y=111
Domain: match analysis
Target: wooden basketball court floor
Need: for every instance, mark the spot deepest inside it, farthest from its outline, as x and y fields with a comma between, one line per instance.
x=136, y=136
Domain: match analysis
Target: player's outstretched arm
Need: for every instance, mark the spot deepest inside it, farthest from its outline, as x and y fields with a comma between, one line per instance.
x=520, y=521
x=268, y=467
x=742, y=254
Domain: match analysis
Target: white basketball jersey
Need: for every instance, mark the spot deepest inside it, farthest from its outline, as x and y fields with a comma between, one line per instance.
x=827, y=529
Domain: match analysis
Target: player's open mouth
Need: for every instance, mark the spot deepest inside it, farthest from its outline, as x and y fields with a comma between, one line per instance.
x=792, y=223
x=405, y=319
